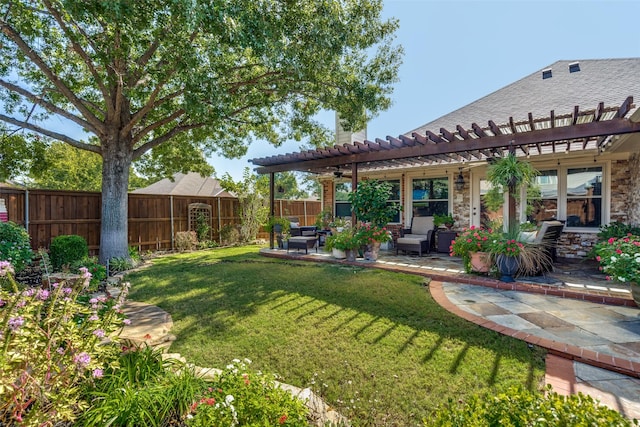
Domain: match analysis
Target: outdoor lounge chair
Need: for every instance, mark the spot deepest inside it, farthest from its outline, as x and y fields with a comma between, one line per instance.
x=418, y=238
x=547, y=237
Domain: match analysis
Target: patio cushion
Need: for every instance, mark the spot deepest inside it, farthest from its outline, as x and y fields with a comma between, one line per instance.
x=422, y=225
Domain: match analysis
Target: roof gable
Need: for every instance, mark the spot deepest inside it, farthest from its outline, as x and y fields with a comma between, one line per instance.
x=599, y=80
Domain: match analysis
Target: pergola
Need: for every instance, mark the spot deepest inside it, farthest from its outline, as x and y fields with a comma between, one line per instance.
x=577, y=130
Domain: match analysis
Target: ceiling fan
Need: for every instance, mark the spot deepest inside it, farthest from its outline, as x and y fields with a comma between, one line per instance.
x=340, y=174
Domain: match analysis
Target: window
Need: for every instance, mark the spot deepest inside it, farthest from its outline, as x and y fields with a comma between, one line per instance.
x=430, y=196
x=395, y=197
x=543, y=197
x=584, y=197
x=343, y=206
x=574, y=194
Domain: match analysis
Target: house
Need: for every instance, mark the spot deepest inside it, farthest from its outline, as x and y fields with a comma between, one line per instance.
x=190, y=184
x=575, y=121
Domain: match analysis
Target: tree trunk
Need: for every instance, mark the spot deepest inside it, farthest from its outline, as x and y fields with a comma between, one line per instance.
x=116, y=162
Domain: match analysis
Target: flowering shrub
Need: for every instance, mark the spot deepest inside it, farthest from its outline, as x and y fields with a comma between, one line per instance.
x=619, y=258
x=51, y=345
x=15, y=245
x=372, y=233
x=473, y=239
x=240, y=397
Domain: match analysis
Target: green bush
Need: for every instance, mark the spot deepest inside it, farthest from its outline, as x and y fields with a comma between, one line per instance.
x=97, y=270
x=246, y=398
x=65, y=250
x=52, y=344
x=519, y=407
x=142, y=390
x=15, y=245
x=617, y=229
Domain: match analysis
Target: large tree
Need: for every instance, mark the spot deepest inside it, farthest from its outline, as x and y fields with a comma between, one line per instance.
x=187, y=77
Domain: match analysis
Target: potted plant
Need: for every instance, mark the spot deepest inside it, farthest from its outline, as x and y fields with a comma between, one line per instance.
x=344, y=244
x=324, y=218
x=370, y=202
x=506, y=248
x=508, y=174
x=280, y=226
x=373, y=236
x=619, y=259
x=472, y=245
x=443, y=219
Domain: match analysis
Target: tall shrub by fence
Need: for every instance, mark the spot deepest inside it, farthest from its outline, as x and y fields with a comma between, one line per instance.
x=153, y=219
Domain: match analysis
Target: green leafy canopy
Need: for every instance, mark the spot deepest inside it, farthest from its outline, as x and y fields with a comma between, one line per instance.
x=206, y=77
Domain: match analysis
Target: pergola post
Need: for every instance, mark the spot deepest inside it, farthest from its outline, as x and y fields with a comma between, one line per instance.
x=271, y=203
x=354, y=187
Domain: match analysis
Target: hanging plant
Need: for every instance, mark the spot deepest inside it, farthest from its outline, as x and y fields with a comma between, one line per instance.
x=508, y=173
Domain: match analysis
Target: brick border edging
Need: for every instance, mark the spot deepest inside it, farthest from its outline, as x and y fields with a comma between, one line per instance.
x=567, y=351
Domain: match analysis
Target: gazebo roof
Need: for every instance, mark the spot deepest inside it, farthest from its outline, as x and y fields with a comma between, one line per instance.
x=568, y=106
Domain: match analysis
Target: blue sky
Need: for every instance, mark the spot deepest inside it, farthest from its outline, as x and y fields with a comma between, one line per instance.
x=459, y=51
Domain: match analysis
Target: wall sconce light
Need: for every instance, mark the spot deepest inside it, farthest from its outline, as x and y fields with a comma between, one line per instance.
x=459, y=182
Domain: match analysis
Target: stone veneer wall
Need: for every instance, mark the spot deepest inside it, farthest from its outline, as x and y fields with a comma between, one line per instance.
x=462, y=203
x=633, y=196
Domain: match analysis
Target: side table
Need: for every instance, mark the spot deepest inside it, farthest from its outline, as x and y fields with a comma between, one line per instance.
x=444, y=239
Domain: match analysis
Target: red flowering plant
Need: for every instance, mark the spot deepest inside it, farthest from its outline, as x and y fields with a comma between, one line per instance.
x=504, y=244
x=372, y=233
x=473, y=239
x=619, y=258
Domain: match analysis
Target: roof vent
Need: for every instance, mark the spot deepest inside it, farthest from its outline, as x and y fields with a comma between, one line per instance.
x=574, y=67
x=546, y=74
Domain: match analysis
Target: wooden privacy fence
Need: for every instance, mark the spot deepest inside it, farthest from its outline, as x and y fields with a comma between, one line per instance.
x=153, y=219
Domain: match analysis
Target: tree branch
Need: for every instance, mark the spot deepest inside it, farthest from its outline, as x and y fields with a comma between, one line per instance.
x=142, y=112
x=156, y=125
x=77, y=48
x=46, y=105
x=51, y=134
x=95, y=125
x=163, y=138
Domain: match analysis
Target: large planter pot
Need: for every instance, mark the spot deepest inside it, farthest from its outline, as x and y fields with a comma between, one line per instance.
x=635, y=293
x=507, y=266
x=373, y=249
x=338, y=253
x=351, y=254
x=480, y=262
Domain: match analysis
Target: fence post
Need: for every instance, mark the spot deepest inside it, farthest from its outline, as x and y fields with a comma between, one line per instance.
x=171, y=214
x=305, y=212
x=26, y=210
x=219, y=221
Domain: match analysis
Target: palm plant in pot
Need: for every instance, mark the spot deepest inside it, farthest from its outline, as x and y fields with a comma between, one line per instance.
x=505, y=248
x=509, y=173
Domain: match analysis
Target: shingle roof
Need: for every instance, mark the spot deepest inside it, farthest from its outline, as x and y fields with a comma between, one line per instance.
x=191, y=184
x=599, y=80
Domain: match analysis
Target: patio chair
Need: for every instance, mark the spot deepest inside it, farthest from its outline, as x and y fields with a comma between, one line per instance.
x=300, y=230
x=548, y=236
x=418, y=238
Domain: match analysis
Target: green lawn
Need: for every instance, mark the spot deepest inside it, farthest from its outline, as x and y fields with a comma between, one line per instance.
x=373, y=343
